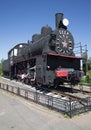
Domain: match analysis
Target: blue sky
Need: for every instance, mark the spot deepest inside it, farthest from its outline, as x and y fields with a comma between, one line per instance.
x=20, y=19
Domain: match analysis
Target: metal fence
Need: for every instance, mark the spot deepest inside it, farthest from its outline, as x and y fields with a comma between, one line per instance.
x=69, y=107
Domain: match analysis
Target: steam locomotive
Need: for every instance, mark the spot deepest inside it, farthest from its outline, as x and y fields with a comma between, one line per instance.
x=46, y=60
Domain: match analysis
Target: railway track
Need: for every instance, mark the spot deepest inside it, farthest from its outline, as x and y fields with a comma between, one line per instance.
x=68, y=92
x=82, y=91
x=77, y=89
x=81, y=100
x=74, y=94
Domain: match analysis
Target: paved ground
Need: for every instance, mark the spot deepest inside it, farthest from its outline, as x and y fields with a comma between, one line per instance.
x=17, y=113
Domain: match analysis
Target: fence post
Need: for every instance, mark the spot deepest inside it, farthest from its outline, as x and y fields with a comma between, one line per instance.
x=26, y=94
x=18, y=91
x=70, y=108
x=89, y=103
x=12, y=89
x=50, y=102
x=35, y=96
x=7, y=87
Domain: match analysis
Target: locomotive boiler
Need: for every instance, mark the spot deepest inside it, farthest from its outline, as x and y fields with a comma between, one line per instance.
x=46, y=60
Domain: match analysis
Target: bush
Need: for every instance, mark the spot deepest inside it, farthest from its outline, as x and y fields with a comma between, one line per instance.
x=87, y=79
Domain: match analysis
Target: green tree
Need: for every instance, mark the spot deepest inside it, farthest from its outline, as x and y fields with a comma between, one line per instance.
x=89, y=64
x=88, y=75
x=1, y=73
x=1, y=69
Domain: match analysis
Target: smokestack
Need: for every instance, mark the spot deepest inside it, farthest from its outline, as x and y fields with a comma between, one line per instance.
x=58, y=19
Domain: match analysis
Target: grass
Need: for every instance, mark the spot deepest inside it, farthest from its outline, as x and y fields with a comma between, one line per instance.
x=85, y=83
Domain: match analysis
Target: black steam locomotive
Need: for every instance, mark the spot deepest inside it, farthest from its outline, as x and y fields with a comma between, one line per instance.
x=47, y=60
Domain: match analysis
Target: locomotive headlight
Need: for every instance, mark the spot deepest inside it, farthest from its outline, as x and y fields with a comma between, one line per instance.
x=65, y=22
